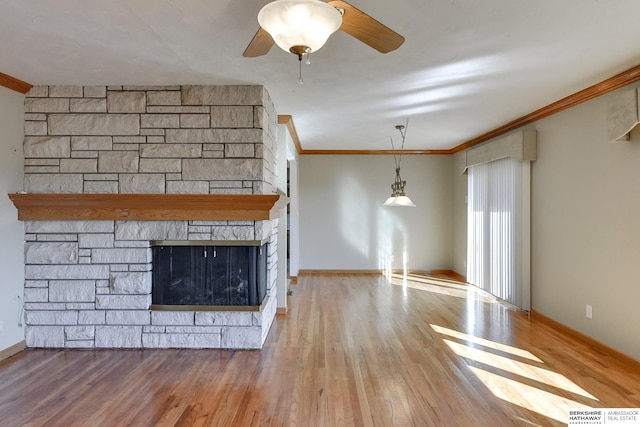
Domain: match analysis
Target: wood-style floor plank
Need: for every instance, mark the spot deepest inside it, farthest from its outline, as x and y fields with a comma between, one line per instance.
x=353, y=351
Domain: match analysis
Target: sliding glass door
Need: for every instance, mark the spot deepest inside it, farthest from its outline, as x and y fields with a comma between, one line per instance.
x=498, y=222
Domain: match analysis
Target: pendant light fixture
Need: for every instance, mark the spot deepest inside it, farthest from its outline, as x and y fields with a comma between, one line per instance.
x=398, y=196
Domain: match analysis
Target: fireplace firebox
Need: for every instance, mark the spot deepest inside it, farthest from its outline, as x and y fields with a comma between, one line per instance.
x=208, y=274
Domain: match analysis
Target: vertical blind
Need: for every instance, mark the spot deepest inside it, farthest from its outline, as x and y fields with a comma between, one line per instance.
x=497, y=216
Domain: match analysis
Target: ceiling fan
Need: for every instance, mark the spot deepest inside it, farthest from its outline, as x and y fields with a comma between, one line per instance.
x=303, y=26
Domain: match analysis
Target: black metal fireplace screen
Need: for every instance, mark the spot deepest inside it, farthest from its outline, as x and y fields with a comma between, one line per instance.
x=209, y=275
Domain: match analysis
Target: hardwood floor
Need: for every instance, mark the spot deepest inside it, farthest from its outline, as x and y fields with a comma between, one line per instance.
x=353, y=351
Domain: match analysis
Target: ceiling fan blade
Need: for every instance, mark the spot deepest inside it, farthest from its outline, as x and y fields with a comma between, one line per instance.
x=366, y=29
x=260, y=44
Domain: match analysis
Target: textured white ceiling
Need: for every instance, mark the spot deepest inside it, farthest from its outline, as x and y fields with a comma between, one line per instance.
x=466, y=67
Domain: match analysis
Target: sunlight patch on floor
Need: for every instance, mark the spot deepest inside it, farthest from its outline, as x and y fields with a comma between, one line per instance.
x=497, y=365
x=438, y=287
x=528, y=397
x=486, y=343
x=515, y=367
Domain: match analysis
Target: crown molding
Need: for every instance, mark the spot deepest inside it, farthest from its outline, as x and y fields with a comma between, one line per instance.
x=288, y=120
x=343, y=152
x=14, y=84
x=285, y=119
x=627, y=77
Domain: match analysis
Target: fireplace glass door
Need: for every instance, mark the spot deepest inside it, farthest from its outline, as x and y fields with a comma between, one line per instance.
x=209, y=275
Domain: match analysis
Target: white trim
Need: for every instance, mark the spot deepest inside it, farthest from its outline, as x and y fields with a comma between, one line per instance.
x=525, y=237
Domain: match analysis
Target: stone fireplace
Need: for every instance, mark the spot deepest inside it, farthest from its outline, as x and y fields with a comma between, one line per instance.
x=88, y=281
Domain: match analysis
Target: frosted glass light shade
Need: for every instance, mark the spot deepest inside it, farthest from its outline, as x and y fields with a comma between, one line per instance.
x=306, y=23
x=390, y=200
x=404, y=201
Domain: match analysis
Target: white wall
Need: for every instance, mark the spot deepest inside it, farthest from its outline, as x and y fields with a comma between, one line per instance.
x=11, y=230
x=344, y=225
x=585, y=226
x=459, y=235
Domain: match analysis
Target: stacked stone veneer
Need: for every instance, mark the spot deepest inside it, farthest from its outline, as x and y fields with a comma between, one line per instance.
x=88, y=283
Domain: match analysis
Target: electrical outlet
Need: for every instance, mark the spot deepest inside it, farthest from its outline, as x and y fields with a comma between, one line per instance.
x=589, y=312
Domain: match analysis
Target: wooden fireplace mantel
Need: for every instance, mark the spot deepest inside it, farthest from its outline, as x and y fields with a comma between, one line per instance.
x=147, y=207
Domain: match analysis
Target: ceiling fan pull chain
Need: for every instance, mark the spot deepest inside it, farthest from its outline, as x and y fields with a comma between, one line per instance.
x=300, y=81
x=308, y=58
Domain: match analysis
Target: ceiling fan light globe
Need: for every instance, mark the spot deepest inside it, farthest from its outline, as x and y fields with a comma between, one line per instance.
x=306, y=23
